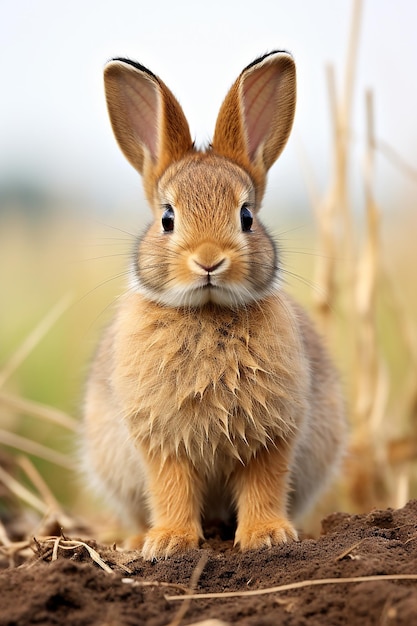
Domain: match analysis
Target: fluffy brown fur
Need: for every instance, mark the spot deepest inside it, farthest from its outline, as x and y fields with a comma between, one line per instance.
x=211, y=393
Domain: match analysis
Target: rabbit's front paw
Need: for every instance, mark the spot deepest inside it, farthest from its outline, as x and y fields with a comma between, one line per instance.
x=162, y=542
x=265, y=534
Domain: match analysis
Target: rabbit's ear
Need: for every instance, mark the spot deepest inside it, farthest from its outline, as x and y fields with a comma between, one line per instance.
x=256, y=116
x=147, y=120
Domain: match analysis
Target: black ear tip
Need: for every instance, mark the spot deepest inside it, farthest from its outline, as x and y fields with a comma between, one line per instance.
x=265, y=56
x=134, y=64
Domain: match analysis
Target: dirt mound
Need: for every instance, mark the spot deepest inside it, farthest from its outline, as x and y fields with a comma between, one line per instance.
x=65, y=583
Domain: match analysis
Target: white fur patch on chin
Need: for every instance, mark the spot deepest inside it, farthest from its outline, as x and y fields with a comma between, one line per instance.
x=233, y=297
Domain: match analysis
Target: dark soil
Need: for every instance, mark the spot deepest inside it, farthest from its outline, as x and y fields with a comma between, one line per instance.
x=69, y=587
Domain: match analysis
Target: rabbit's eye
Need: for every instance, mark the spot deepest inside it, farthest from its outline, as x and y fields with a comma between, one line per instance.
x=246, y=218
x=168, y=219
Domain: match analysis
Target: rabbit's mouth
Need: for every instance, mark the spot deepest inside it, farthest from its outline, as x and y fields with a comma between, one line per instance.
x=207, y=285
x=209, y=282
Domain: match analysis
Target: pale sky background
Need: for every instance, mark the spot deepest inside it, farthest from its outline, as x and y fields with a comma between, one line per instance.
x=53, y=118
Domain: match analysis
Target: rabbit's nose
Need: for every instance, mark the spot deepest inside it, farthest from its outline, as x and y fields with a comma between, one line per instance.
x=211, y=268
x=208, y=258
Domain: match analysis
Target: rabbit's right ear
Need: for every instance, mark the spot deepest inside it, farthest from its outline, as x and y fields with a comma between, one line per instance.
x=256, y=117
x=147, y=120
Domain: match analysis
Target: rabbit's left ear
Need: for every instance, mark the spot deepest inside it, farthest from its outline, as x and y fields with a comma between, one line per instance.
x=256, y=116
x=147, y=120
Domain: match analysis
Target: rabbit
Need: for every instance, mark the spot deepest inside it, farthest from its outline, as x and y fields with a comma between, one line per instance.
x=211, y=393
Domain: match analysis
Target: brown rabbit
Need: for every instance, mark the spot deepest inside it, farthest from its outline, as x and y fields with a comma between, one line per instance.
x=211, y=393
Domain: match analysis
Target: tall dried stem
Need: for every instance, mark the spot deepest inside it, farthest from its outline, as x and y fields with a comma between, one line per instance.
x=369, y=370
x=334, y=218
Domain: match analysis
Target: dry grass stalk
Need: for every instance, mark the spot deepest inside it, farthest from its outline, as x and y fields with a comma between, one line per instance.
x=348, y=551
x=6, y=545
x=403, y=451
x=195, y=577
x=34, y=338
x=36, y=409
x=14, y=549
x=372, y=376
x=334, y=219
x=366, y=285
x=402, y=486
x=39, y=544
x=36, y=449
x=154, y=583
x=4, y=538
x=372, y=383
x=291, y=586
x=22, y=493
x=325, y=211
x=38, y=482
x=65, y=544
x=48, y=547
x=55, y=511
x=407, y=325
x=211, y=622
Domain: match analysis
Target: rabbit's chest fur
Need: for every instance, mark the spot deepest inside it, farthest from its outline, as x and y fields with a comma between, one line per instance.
x=208, y=382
